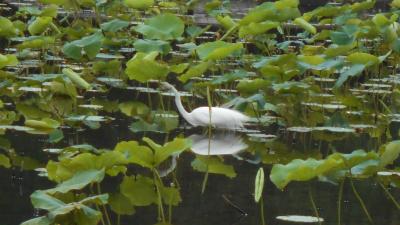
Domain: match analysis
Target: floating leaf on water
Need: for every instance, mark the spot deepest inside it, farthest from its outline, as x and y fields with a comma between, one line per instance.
x=324, y=106
x=335, y=129
x=15, y=127
x=94, y=107
x=300, y=219
x=88, y=118
x=114, y=25
x=388, y=173
x=32, y=89
x=300, y=129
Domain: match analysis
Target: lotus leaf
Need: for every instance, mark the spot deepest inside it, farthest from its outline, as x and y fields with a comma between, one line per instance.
x=4, y=161
x=139, y=190
x=217, y=50
x=161, y=153
x=114, y=25
x=120, y=204
x=139, y=4
x=7, y=28
x=195, y=71
x=8, y=60
x=147, y=46
x=39, y=25
x=78, y=181
x=259, y=185
x=390, y=154
x=135, y=153
x=143, y=68
x=213, y=165
x=90, y=45
x=162, y=27
x=305, y=25
x=354, y=70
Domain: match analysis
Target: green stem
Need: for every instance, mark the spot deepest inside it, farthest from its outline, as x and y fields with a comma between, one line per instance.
x=229, y=32
x=55, y=28
x=157, y=182
x=97, y=206
x=103, y=206
x=339, y=202
x=313, y=205
x=361, y=201
x=203, y=186
x=390, y=196
x=262, y=210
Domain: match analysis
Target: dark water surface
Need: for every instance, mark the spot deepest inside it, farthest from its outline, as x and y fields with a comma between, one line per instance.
x=225, y=202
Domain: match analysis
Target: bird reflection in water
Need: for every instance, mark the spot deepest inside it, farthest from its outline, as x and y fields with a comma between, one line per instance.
x=220, y=143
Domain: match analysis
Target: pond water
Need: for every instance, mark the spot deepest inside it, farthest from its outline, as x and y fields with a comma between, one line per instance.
x=89, y=134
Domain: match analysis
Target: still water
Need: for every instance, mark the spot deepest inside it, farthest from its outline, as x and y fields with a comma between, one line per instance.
x=225, y=201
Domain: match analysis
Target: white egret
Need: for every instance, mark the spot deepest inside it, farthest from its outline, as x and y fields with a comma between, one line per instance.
x=220, y=117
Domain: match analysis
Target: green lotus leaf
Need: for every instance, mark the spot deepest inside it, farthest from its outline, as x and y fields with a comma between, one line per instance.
x=257, y=28
x=342, y=38
x=78, y=181
x=213, y=165
x=45, y=125
x=90, y=45
x=171, y=196
x=147, y=46
x=114, y=25
x=36, y=42
x=363, y=58
x=304, y=170
x=7, y=28
x=161, y=153
x=76, y=79
x=139, y=4
x=390, y=153
x=142, y=67
x=354, y=70
x=120, y=204
x=305, y=25
x=226, y=21
x=39, y=25
x=8, y=60
x=139, y=190
x=162, y=27
x=195, y=71
x=135, y=153
x=360, y=6
x=217, y=50
x=259, y=185
x=4, y=161
x=134, y=108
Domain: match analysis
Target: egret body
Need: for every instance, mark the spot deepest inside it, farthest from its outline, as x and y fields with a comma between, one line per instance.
x=220, y=117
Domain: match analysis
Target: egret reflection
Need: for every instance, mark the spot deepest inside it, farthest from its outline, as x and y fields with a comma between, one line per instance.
x=221, y=143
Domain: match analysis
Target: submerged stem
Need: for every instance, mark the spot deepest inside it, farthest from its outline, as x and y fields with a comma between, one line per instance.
x=361, y=201
x=313, y=205
x=262, y=210
x=339, y=202
x=390, y=195
x=103, y=206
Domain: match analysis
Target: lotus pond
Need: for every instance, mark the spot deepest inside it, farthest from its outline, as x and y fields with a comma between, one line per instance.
x=87, y=136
